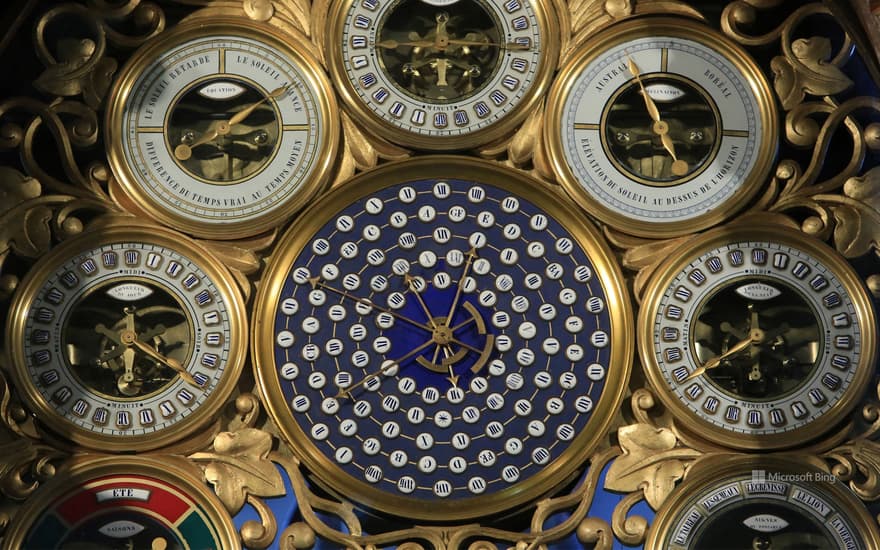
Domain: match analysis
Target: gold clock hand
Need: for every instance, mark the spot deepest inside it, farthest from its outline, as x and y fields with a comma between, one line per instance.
x=757, y=336
x=391, y=44
x=316, y=283
x=441, y=36
x=125, y=382
x=649, y=102
x=660, y=127
x=389, y=364
x=169, y=362
x=471, y=254
x=244, y=113
x=184, y=151
x=410, y=282
x=512, y=46
x=222, y=128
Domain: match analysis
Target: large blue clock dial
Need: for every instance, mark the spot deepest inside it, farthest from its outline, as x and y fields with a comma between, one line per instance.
x=442, y=338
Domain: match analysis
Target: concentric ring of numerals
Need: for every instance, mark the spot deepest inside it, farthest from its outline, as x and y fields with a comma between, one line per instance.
x=746, y=260
x=131, y=266
x=395, y=406
x=517, y=79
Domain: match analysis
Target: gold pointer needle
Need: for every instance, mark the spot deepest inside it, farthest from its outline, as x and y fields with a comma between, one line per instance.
x=513, y=46
x=184, y=151
x=649, y=102
x=244, y=113
x=714, y=362
x=472, y=253
x=169, y=362
x=391, y=44
x=385, y=368
x=410, y=282
x=660, y=127
x=316, y=282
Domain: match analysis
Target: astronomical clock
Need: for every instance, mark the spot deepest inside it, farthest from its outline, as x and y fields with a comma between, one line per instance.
x=439, y=274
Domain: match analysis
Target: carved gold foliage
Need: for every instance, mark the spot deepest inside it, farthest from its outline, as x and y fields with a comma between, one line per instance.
x=641, y=255
x=362, y=151
x=242, y=257
x=808, y=70
x=291, y=16
x=542, y=532
x=520, y=147
x=586, y=17
x=650, y=462
x=77, y=64
x=240, y=466
x=858, y=464
x=597, y=532
x=857, y=215
x=807, y=65
x=15, y=190
x=25, y=466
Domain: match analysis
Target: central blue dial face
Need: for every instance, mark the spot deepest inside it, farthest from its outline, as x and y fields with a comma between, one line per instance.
x=441, y=340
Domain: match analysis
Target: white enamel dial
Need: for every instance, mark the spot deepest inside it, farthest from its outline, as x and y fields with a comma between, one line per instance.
x=663, y=128
x=439, y=75
x=758, y=336
x=126, y=337
x=221, y=131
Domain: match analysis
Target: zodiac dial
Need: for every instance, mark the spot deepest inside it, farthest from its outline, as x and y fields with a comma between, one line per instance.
x=661, y=126
x=762, y=503
x=442, y=339
x=126, y=338
x=122, y=502
x=442, y=75
x=222, y=130
x=760, y=336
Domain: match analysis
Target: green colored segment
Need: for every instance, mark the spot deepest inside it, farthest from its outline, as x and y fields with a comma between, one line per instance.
x=197, y=533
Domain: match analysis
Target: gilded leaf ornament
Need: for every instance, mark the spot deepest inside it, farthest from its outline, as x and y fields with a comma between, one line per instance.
x=651, y=462
x=808, y=70
x=240, y=465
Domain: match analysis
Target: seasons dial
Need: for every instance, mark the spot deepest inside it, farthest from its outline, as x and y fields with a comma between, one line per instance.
x=442, y=75
x=120, y=502
x=221, y=129
x=126, y=338
x=442, y=339
x=661, y=126
x=760, y=336
x=764, y=504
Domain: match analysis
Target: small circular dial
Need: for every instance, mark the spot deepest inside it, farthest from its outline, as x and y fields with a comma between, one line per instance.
x=123, y=502
x=661, y=126
x=762, y=504
x=442, y=347
x=221, y=130
x=758, y=339
x=126, y=334
x=442, y=75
